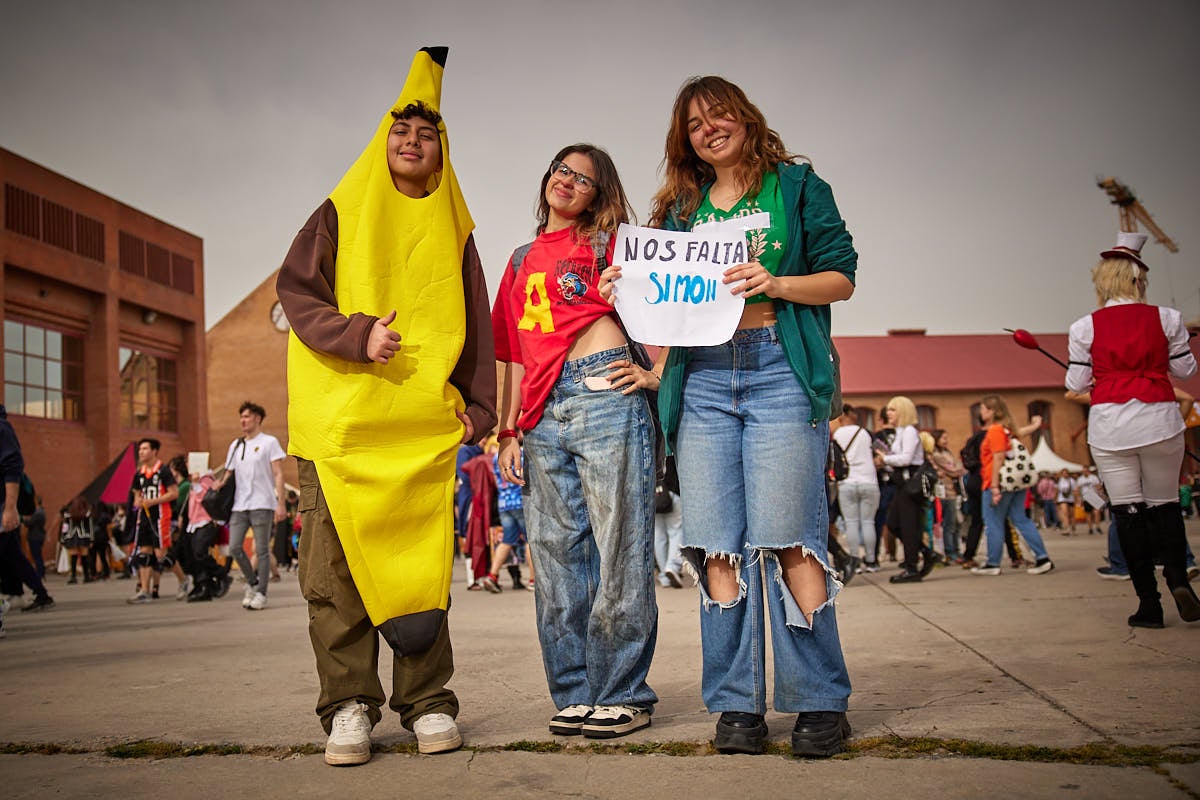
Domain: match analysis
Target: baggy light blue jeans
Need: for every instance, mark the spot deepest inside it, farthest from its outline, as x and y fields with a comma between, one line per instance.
x=751, y=470
x=1011, y=507
x=589, y=507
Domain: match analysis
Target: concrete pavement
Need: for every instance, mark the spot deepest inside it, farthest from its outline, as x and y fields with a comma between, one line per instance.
x=957, y=681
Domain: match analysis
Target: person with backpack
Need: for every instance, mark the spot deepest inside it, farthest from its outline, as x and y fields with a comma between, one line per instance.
x=572, y=389
x=857, y=485
x=906, y=513
x=1001, y=503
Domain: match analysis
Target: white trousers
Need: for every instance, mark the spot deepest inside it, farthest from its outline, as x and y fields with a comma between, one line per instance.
x=1148, y=474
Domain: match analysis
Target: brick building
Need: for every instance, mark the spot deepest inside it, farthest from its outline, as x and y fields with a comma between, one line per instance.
x=103, y=329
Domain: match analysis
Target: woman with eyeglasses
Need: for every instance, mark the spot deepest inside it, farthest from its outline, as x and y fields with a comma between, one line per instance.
x=749, y=423
x=572, y=389
x=906, y=512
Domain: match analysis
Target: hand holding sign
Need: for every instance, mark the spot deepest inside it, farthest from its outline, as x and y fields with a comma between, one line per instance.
x=671, y=284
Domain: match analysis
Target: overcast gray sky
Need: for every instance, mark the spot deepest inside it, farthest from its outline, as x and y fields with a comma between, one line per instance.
x=962, y=139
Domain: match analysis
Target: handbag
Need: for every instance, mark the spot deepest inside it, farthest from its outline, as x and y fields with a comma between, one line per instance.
x=1017, y=472
x=920, y=484
x=218, y=501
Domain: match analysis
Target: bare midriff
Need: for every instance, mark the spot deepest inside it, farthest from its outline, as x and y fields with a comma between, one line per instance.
x=603, y=334
x=757, y=315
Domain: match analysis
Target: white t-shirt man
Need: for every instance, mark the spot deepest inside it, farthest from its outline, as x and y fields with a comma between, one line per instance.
x=858, y=453
x=255, y=488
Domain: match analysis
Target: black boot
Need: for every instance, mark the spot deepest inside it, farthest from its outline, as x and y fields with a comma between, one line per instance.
x=89, y=569
x=1135, y=535
x=741, y=732
x=74, y=565
x=514, y=572
x=1170, y=540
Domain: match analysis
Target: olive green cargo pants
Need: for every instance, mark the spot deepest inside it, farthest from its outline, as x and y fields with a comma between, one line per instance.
x=345, y=642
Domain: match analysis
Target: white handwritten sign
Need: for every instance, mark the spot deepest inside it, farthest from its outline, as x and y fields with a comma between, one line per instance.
x=670, y=291
x=197, y=462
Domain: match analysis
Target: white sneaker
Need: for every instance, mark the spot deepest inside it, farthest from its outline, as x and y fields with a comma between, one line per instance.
x=258, y=602
x=349, y=739
x=185, y=588
x=248, y=595
x=437, y=733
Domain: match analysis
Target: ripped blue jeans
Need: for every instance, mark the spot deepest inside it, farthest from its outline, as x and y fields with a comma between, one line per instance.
x=589, y=512
x=751, y=477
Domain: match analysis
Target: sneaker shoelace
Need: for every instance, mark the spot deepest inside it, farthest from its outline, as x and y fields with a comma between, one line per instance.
x=429, y=723
x=577, y=710
x=351, y=720
x=613, y=712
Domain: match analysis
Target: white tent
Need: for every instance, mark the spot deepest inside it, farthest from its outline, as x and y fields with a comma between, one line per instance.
x=1046, y=460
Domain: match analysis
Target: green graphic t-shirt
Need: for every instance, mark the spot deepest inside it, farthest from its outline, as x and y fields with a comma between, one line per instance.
x=766, y=244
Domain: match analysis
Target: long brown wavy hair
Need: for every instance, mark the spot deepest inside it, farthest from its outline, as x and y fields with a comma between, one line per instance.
x=609, y=207
x=1000, y=412
x=685, y=173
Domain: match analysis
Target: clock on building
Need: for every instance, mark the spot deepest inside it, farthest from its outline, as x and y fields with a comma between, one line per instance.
x=278, y=318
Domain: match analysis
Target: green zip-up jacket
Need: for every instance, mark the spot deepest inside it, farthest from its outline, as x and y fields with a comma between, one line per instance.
x=817, y=242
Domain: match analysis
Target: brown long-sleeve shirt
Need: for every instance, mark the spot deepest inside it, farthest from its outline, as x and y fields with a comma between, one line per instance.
x=305, y=287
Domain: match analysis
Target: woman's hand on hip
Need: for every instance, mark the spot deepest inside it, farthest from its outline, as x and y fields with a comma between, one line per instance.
x=627, y=376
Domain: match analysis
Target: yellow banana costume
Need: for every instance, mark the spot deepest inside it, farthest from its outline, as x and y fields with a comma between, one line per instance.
x=383, y=438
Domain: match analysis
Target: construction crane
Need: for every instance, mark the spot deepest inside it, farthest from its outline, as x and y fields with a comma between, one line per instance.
x=1131, y=211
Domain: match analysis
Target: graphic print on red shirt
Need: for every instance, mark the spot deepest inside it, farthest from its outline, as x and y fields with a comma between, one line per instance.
x=541, y=309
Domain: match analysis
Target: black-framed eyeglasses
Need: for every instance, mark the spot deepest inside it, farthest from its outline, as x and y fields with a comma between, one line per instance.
x=585, y=184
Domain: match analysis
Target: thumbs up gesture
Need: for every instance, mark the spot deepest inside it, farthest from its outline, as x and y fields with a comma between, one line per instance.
x=383, y=342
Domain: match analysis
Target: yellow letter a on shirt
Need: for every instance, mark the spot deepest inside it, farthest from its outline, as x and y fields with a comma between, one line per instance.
x=536, y=314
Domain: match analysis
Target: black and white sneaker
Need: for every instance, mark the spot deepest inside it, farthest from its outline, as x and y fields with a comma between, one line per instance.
x=1042, y=566
x=605, y=722
x=569, y=721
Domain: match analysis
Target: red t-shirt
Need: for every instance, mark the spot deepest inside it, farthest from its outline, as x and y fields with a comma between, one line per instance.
x=542, y=308
x=994, y=445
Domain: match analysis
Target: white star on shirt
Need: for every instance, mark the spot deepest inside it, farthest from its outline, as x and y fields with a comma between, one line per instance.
x=777, y=245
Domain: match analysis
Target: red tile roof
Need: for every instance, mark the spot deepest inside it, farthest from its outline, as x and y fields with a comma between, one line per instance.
x=951, y=363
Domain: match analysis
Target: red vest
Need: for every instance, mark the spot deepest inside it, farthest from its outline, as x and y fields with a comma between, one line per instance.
x=1129, y=355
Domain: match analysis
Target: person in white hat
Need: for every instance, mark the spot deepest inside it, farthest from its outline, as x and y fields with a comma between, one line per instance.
x=1124, y=355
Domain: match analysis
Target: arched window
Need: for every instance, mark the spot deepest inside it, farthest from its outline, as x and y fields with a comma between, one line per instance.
x=975, y=423
x=926, y=418
x=1040, y=408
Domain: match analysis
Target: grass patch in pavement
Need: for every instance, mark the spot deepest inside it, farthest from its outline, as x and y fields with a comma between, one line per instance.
x=1096, y=754
x=1108, y=754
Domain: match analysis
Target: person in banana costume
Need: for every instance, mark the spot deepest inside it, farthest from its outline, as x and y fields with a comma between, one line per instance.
x=391, y=367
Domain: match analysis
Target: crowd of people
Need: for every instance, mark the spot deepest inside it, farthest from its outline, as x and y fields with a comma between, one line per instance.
x=166, y=526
